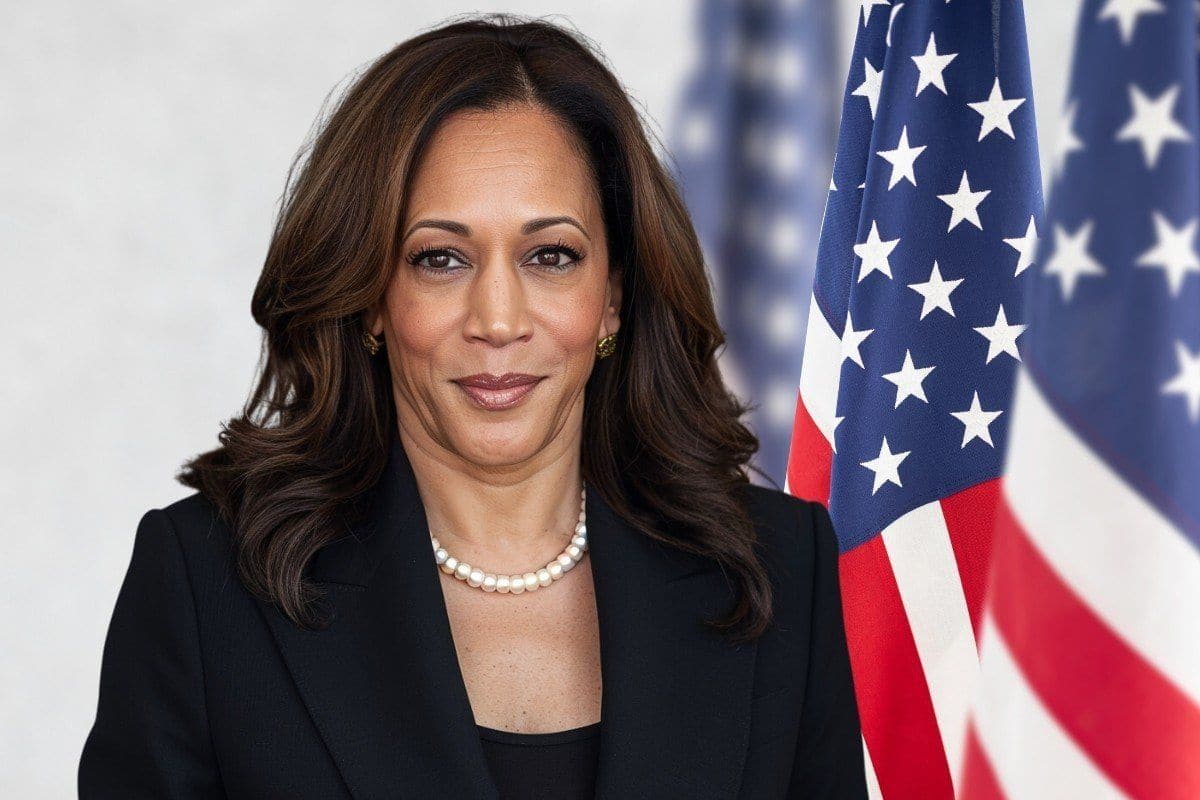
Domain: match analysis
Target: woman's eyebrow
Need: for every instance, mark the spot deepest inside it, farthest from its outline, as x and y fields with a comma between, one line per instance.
x=535, y=225
x=532, y=226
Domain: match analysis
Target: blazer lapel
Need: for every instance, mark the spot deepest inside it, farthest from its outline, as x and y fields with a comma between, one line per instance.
x=675, y=706
x=384, y=688
x=382, y=682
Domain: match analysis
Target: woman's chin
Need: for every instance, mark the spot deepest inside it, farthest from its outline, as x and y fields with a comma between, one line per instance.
x=503, y=445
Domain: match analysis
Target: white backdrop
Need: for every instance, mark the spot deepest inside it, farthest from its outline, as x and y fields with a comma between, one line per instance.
x=145, y=146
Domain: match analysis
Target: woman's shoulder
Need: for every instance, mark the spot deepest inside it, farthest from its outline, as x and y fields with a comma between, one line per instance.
x=780, y=513
x=795, y=535
x=767, y=503
x=801, y=554
x=196, y=527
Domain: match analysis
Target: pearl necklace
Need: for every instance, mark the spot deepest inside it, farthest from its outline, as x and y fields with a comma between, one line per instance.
x=516, y=584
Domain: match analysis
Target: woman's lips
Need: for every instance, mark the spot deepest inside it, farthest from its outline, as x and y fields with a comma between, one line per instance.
x=498, y=399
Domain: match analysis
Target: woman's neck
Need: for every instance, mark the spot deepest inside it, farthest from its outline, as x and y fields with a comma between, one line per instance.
x=499, y=517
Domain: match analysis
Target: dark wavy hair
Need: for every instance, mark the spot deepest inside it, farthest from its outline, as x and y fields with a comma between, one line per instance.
x=665, y=444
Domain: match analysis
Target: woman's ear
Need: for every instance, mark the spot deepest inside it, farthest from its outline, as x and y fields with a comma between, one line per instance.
x=612, y=304
x=372, y=320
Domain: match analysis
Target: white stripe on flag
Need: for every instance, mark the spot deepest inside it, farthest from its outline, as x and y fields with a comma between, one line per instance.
x=1115, y=550
x=922, y=558
x=873, y=790
x=820, y=371
x=1033, y=758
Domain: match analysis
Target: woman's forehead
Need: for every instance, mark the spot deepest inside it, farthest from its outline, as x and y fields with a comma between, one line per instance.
x=497, y=161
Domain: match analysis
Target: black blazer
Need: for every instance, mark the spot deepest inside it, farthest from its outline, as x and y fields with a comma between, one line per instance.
x=206, y=692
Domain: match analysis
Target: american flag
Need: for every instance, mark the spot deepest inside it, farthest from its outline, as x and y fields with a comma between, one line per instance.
x=1090, y=650
x=755, y=133
x=911, y=350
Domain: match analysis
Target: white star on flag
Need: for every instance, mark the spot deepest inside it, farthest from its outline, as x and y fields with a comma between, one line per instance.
x=996, y=111
x=1173, y=253
x=936, y=292
x=1071, y=259
x=976, y=422
x=902, y=160
x=871, y=86
x=931, y=65
x=780, y=323
x=874, y=253
x=1066, y=142
x=908, y=380
x=1126, y=13
x=788, y=70
x=1187, y=382
x=1025, y=245
x=786, y=153
x=1153, y=123
x=851, y=339
x=1002, y=337
x=833, y=433
x=964, y=204
x=886, y=466
x=783, y=237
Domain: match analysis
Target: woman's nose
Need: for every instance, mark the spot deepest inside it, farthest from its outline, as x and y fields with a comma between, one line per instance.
x=498, y=312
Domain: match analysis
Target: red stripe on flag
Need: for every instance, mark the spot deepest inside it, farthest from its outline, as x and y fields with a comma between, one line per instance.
x=810, y=458
x=1131, y=720
x=978, y=778
x=898, y=721
x=970, y=518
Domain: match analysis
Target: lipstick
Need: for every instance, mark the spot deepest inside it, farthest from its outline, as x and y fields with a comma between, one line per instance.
x=497, y=392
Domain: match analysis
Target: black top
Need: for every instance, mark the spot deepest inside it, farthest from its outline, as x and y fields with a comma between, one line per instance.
x=560, y=765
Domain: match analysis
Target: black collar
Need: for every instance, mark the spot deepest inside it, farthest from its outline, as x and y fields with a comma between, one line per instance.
x=384, y=687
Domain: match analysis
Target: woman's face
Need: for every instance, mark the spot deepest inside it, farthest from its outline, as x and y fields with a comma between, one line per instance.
x=504, y=269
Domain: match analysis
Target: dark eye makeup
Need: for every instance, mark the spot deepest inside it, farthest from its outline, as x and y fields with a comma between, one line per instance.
x=418, y=256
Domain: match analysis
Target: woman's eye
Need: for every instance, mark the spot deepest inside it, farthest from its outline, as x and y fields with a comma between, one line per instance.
x=435, y=260
x=557, y=258
x=552, y=258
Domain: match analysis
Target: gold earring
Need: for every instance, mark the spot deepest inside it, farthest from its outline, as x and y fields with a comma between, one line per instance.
x=606, y=346
x=370, y=342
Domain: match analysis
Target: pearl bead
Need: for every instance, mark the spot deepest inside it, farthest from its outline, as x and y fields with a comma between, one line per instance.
x=521, y=582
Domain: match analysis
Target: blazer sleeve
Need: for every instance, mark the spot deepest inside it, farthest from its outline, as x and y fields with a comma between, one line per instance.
x=150, y=738
x=829, y=754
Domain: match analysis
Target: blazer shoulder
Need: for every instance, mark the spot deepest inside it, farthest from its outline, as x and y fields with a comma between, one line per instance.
x=801, y=529
x=203, y=536
x=779, y=509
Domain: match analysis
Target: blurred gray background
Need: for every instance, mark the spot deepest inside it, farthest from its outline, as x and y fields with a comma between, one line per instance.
x=145, y=146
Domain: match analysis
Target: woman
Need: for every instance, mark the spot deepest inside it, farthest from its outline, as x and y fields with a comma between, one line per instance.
x=484, y=529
